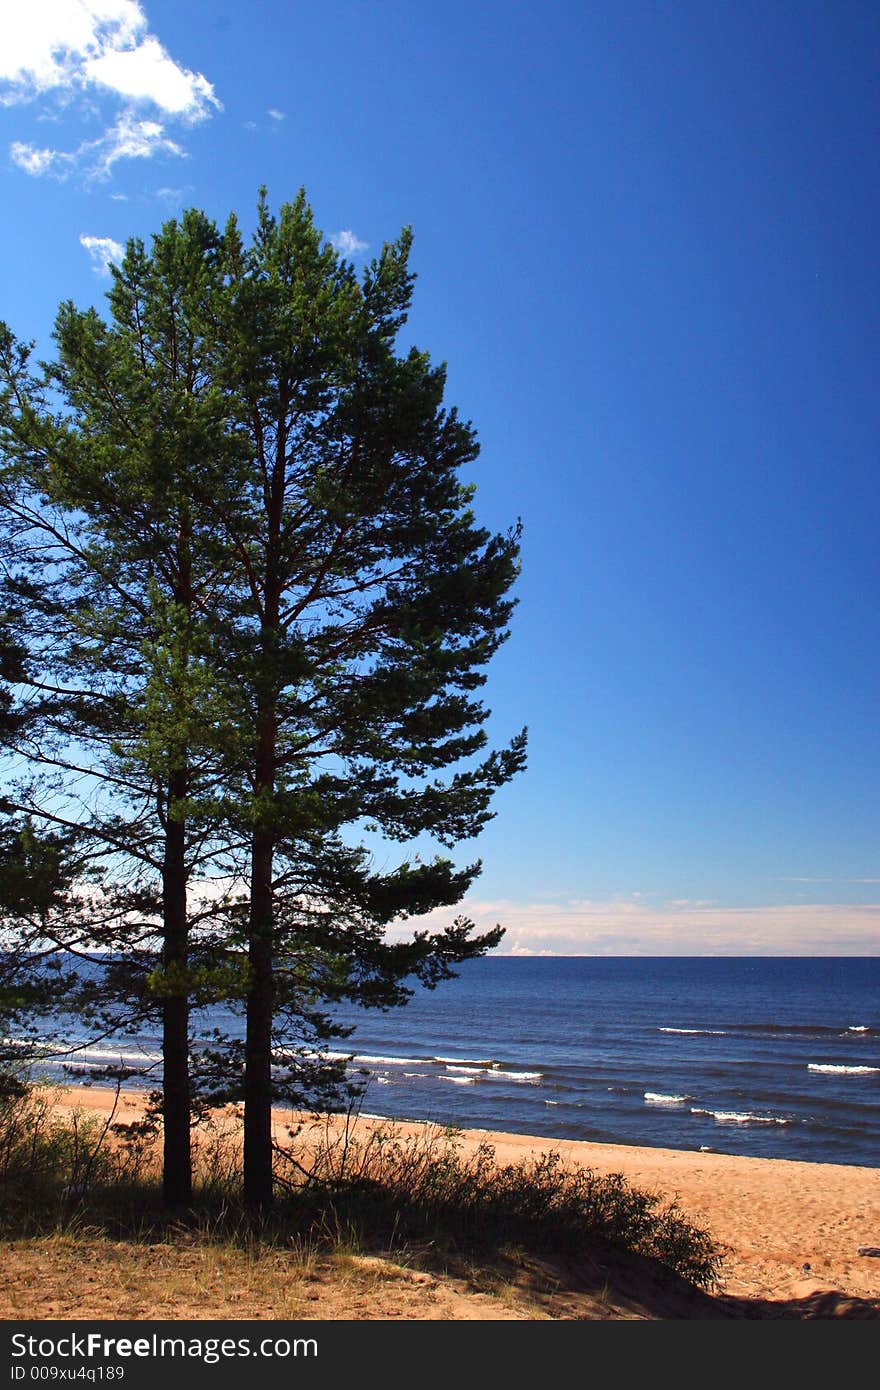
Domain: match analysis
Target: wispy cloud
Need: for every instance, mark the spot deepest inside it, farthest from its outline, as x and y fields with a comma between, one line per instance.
x=615, y=928
x=805, y=879
x=32, y=160
x=127, y=138
x=174, y=196
x=104, y=251
x=276, y=114
x=347, y=243
x=91, y=51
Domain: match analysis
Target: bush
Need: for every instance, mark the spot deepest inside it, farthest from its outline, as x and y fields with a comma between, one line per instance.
x=48, y=1163
x=423, y=1186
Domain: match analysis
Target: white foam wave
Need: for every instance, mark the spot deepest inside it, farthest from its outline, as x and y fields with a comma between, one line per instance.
x=858, y=1028
x=459, y=1080
x=28, y=1045
x=658, y=1098
x=379, y=1060
x=470, y=1071
x=737, y=1117
x=834, y=1070
x=697, y=1032
x=531, y=1078
x=95, y=1057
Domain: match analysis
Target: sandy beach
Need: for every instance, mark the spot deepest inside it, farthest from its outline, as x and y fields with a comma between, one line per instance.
x=792, y=1230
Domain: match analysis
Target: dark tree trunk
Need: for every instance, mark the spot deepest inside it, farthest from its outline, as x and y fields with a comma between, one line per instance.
x=177, y=1165
x=258, y=1045
x=258, y=1185
x=261, y=1002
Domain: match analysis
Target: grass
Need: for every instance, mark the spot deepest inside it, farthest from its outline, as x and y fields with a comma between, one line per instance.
x=420, y=1199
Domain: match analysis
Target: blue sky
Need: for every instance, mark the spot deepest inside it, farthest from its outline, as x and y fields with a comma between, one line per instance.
x=646, y=238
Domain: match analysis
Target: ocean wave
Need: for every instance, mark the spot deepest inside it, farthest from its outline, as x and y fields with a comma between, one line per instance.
x=858, y=1028
x=379, y=1059
x=833, y=1069
x=101, y=1057
x=459, y=1080
x=27, y=1045
x=465, y=1061
x=531, y=1078
x=806, y=1030
x=658, y=1098
x=697, y=1032
x=471, y=1071
x=738, y=1117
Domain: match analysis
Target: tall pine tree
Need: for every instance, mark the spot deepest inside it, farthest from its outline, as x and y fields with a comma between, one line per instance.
x=370, y=603
x=301, y=606
x=111, y=561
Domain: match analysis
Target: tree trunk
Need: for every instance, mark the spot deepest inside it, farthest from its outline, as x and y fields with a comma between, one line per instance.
x=177, y=1158
x=258, y=1045
x=261, y=998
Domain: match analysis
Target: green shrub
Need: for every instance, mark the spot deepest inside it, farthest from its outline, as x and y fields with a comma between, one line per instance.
x=424, y=1186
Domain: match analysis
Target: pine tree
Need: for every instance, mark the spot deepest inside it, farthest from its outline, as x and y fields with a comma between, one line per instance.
x=370, y=602
x=112, y=565
x=281, y=558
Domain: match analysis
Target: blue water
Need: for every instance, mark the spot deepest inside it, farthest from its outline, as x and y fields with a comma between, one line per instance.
x=768, y=1057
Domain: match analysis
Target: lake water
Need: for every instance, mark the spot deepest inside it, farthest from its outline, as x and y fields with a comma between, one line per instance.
x=769, y=1057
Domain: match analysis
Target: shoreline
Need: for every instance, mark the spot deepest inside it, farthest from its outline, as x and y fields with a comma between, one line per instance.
x=792, y=1228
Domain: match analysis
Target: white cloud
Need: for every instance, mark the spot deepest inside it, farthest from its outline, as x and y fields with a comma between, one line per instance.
x=31, y=160
x=276, y=114
x=346, y=242
x=147, y=73
x=129, y=138
x=91, y=49
x=619, y=928
x=103, y=250
x=44, y=42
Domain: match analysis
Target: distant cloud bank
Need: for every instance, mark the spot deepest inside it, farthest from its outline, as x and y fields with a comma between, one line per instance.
x=627, y=928
x=93, y=51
